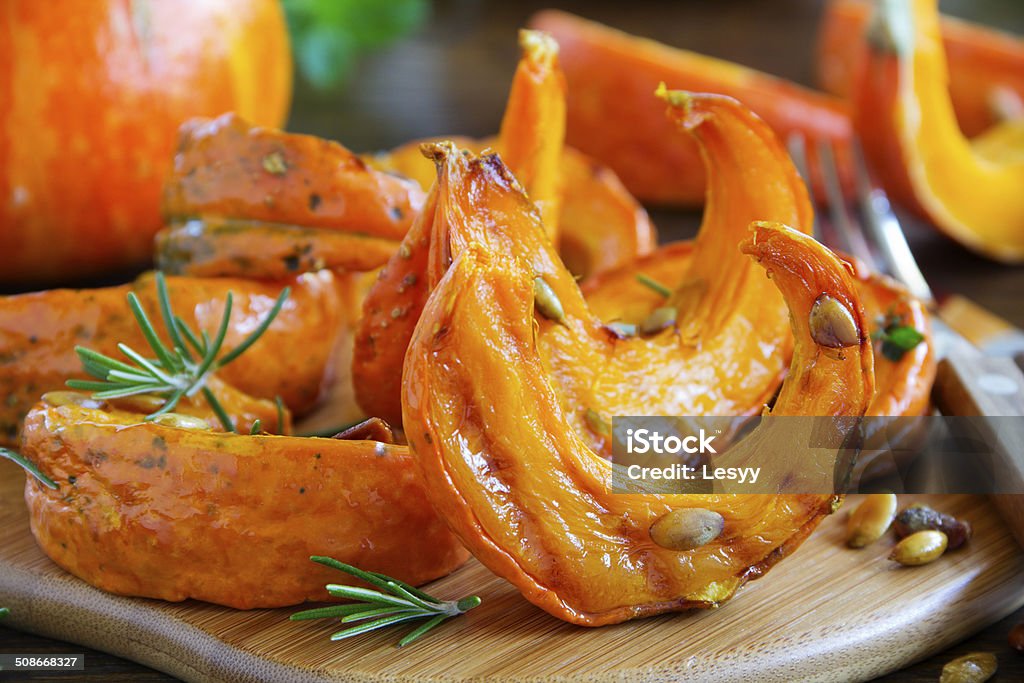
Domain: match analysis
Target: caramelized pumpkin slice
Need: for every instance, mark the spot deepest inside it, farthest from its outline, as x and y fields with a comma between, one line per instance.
x=986, y=66
x=279, y=182
x=612, y=117
x=729, y=331
x=173, y=513
x=293, y=359
x=503, y=465
x=911, y=136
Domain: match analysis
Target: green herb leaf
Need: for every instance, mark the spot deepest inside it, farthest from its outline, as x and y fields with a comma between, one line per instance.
x=653, y=284
x=899, y=340
x=896, y=337
x=396, y=602
x=20, y=460
x=4, y=611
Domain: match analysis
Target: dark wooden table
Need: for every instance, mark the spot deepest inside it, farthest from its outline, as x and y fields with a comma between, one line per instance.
x=452, y=77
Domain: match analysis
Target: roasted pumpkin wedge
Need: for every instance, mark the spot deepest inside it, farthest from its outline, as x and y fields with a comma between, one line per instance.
x=502, y=463
x=294, y=359
x=585, y=209
x=611, y=116
x=273, y=187
x=176, y=512
x=729, y=331
x=986, y=66
x=906, y=120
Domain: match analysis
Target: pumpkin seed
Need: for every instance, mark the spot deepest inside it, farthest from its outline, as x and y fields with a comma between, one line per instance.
x=871, y=519
x=275, y=164
x=71, y=398
x=597, y=423
x=141, y=403
x=687, y=528
x=920, y=548
x=975, y=667
x=181, y=421
x=659, y=319
x=832, y=324
x=546, y=301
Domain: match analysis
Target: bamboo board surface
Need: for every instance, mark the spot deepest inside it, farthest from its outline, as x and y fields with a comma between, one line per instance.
x=827, y=613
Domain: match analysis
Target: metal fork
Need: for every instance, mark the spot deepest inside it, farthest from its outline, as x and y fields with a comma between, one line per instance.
x=968, y=382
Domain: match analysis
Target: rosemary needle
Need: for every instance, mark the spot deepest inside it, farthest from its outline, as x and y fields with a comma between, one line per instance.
x=25, y=464
x=653, y=284
x=177, y=372
x=394, y=602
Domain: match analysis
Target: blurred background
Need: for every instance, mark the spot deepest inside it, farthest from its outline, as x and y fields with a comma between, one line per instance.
x=443, y=67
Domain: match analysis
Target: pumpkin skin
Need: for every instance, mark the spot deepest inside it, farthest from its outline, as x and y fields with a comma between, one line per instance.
x=504, y=466
x=148, y=510
x=982, y=61
x=905, y=118
x=294, y=358
x=89, y=112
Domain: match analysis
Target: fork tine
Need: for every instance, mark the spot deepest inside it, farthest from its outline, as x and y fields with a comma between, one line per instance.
x=883, y=229
x=850, y=237
x=796, y=145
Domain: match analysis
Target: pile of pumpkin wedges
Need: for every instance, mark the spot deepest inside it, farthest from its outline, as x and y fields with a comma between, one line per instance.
x=482, y=298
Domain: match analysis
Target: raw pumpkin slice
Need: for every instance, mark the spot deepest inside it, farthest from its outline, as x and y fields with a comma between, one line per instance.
x=906, y=120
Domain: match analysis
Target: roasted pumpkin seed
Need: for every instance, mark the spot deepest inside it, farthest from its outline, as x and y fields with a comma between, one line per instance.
x=871, y=519
x=546, y=301
x=920, y=548
x=687, y=528
x=832, y=324
x=181, y=421
x=975, y=667
x=68, y=398
x=659, y=319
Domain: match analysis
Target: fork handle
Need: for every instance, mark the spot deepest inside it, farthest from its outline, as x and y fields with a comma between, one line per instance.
x=990, y=387
x=983, y=328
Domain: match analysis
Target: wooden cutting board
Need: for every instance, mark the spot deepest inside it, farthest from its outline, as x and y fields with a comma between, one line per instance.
x=827, y=613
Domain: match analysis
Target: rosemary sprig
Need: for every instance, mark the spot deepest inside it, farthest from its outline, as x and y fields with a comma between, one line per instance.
x=23, y=463
x=396, y=602
x=175, y=373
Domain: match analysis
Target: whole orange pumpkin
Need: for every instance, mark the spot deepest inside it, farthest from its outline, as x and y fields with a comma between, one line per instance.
x=91, y=96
